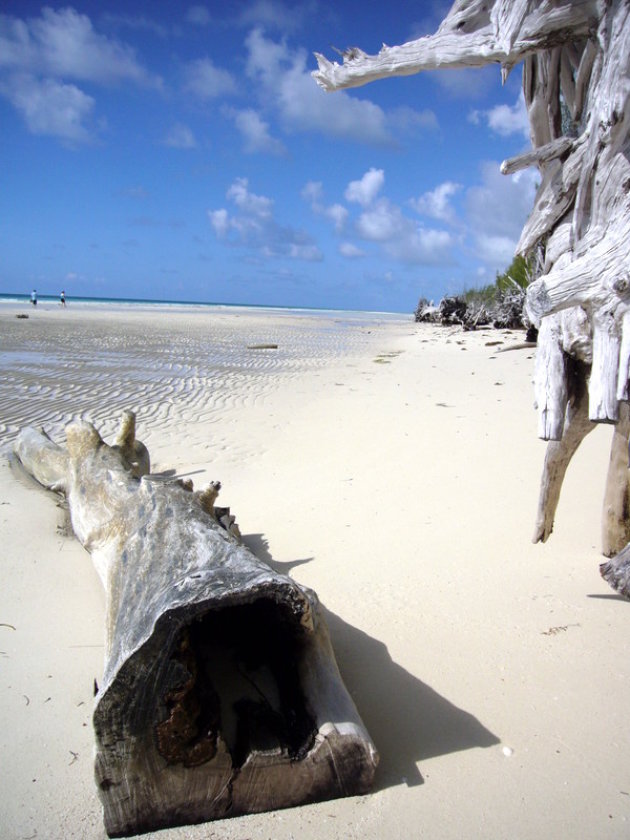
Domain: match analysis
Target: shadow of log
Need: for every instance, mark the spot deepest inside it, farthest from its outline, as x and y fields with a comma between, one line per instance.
x=407, y=719
x=259, y=545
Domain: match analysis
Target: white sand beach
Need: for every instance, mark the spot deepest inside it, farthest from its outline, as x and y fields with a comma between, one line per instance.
x=393, y=468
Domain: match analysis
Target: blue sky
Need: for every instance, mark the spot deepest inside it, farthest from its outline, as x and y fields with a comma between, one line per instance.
x=183, y=151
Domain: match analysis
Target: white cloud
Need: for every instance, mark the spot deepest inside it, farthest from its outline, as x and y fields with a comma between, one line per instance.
x=351, y=251
x=500, y=204
x=436, y=203
x=381, y=223
x=219, y=220
x=64, y=44
x=248, y=202
x=365, y=190
x=51, y=107
x=496, y=210
x=466, y=83
x=253, y=226
x=338, y=214
x=255, y=132
x=180, y=137
x=309, y=253
x=206, y=81
x=285, y=84
x=423, y=246
x=313, y=193
x=405, y=119
x=505, y=120
x=41, y=58
x=495, y=250
x=402, y=238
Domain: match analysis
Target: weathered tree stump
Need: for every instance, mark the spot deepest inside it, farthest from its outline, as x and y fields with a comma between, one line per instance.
x=576, y=86
x=220, y=694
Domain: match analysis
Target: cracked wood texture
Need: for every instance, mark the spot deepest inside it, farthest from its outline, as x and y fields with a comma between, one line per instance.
x=220, y=695
x=576, y=84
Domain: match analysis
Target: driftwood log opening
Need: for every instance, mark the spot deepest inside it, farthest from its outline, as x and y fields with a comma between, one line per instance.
x=576, y=86
x=220, y=694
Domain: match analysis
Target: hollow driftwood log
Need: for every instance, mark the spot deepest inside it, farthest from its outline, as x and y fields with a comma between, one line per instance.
x=220, y=694
x=576, y=87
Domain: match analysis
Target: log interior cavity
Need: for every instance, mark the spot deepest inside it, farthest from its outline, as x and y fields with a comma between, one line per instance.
x=236, y=682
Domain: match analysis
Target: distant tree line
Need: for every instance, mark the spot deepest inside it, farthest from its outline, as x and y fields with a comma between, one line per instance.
x=500, y=304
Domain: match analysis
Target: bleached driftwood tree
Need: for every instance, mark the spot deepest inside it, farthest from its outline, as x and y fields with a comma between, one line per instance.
x=221, y=694
x=576, y=84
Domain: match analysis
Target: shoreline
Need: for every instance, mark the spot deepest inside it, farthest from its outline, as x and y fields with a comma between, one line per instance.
x=49, y=303
x=394, y=469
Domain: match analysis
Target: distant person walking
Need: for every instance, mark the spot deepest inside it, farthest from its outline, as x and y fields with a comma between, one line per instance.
x=62, y=298
x=34, y=297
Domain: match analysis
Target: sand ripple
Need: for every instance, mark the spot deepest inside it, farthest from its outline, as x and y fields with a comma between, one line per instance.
x=168, y=366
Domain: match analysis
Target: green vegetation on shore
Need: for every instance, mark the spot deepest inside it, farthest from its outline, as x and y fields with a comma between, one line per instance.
x=500, y=303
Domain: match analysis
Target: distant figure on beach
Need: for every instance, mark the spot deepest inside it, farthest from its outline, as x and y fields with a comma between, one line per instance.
x=34, y=297
x=62, y=298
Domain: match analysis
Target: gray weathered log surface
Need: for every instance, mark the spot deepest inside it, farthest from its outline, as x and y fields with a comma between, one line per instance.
x=220, y=694
x=559, y=452
x=616, y=572
x=576, y=86
x=615, y=519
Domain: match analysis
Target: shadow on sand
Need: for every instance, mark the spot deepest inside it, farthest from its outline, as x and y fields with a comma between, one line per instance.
x=407, y=720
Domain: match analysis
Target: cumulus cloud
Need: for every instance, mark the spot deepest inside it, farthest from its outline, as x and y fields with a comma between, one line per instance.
x=220, y=221
x=286, y=85
x=206, y=81
x=252, y=225
x=500, y=204
x=436, y=203
x=405, y=119
x=338, y=215
x=351, y=251
x=505, y=120
x=496, y=210
x=64, y=44
x=365, y=190
x=42, y=59
x=51, y=107
x=255, y=132
x=382, y=222
x=313, y=193
x=402, y=238
x=180, y=137
x=250, y=203
x=467, y=83
x=495, y=250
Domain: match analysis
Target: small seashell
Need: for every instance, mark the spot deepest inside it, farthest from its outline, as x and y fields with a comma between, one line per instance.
x=508, y=751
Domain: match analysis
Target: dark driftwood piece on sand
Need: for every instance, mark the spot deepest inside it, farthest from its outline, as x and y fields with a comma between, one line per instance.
x=576, y=86
x=221, y=694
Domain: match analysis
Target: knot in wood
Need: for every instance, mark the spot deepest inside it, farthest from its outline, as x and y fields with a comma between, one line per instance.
x=620, y=284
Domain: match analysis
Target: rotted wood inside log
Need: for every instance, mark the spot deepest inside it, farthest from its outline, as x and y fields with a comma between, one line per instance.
x=241, y=686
